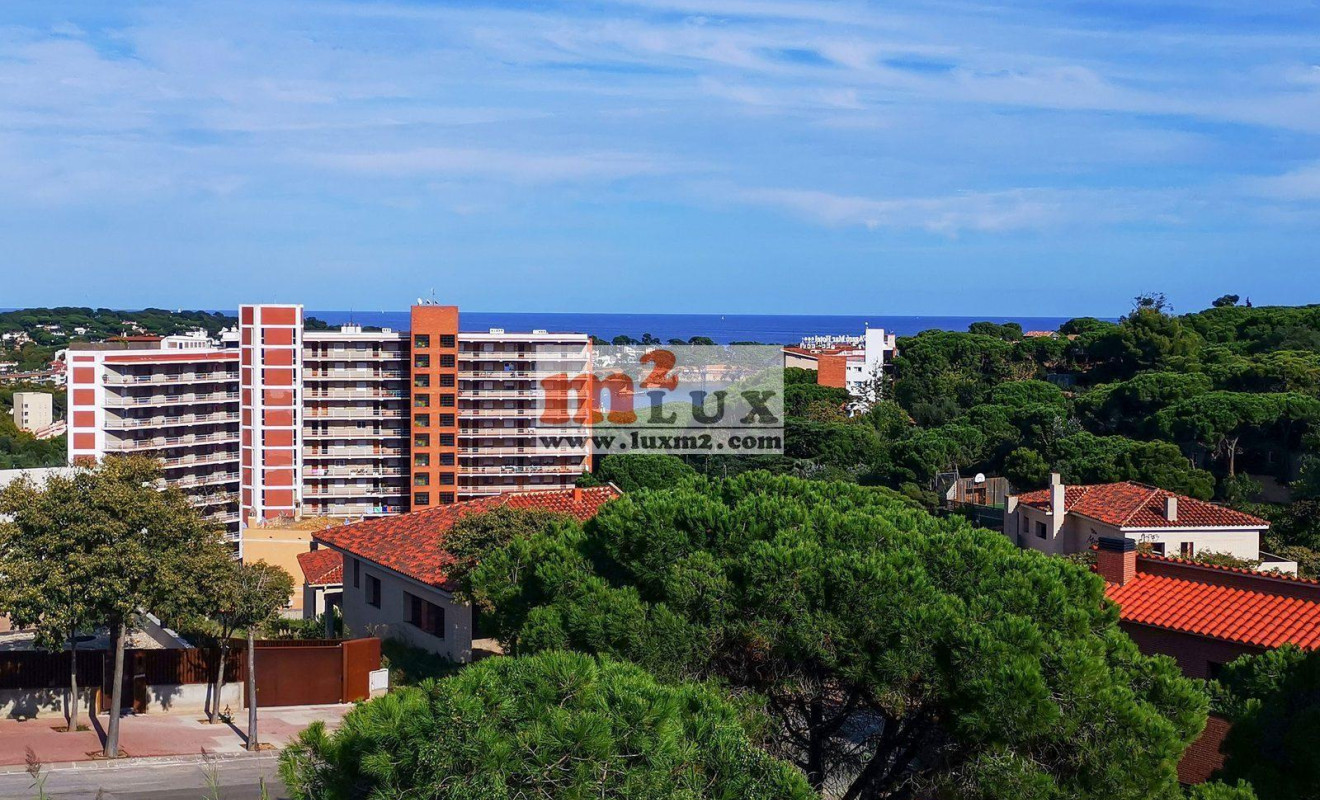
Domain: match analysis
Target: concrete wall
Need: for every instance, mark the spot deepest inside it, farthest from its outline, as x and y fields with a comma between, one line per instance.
x=189, y=698
x=389, y=621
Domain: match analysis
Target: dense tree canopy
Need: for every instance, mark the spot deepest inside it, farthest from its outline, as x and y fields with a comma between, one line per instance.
x=555, y=725
x=896, y=652
x=1273, y=700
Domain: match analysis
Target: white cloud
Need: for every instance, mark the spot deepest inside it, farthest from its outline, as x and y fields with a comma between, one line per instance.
x=1302, y=184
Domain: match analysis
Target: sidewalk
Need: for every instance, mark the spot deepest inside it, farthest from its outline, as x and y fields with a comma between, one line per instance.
x=154, y=735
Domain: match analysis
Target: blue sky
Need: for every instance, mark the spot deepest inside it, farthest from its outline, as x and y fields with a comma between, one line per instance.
x=738, y=156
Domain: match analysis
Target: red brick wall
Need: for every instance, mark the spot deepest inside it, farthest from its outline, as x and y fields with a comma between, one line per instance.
x=1194, y=654
x=1203, y=757
x=832, y=370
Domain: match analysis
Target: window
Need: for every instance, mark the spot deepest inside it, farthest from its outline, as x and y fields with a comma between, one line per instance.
x=422, y=420
x=447, y=359
x=1040, y=530
x=446, y=420
x=446, y=479
x=447, y=380
x=1187, y=549
x=422, y=361
x=357, y=574
x=421, y=340
x=425, y=615
x=446, y=340
x=422, y=381
x=422, y=479
x=421, y=440
x=446, y=440
x=421, y=498
x=1026, y=524
x=1157, y=548
x=422, y=401
x=422, y=459
x=373, y=591
x=446, y=459
x=446, y=498
x=446, y=401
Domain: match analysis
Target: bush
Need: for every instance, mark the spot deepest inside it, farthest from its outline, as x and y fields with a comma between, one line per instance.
x=555, y=725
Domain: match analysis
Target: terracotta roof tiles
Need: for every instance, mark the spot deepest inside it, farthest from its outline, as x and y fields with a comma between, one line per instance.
x=1135, y=505
x=413, y=544
x=322, y=567
x=1235, y=605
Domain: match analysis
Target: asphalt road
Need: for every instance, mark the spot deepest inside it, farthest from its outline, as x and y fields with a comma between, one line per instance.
x=238, y=779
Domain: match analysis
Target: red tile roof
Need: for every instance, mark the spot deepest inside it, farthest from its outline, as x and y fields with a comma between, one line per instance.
x=1236, y=605
x=1135, y=505
x=322, y=567
x=413, y=544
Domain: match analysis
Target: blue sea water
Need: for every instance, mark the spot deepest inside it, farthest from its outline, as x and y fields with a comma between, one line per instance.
x=765, y=328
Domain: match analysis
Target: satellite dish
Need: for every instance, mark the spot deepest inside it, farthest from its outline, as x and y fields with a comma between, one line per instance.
x=980, y=478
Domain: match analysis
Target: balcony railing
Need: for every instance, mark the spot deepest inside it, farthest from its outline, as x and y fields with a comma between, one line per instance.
x=115, y=379
x=352, y=374
x=169, y=442
x=329, y=473
x=171, y=399
x=366, y=413
x=539, y=469
x=169, y=421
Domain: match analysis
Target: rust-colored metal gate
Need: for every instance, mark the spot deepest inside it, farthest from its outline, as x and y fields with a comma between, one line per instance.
x=311, y=673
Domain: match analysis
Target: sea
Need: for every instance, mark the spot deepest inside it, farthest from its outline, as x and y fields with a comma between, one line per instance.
x=722, y=328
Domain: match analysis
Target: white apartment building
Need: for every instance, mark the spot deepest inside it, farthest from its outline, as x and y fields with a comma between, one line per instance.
x=274, y=420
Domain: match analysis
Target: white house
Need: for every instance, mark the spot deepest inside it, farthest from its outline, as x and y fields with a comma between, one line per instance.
x=1069, y=519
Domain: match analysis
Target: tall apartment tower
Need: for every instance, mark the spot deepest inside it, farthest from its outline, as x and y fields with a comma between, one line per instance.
x=270, y=390
x=434, y=405
x=350, y=423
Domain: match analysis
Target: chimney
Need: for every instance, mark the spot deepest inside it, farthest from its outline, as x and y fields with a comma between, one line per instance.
x=577, y=494
x=1010, y=504
x=1171, y=508
x=1058, y=498
x=1116, y=560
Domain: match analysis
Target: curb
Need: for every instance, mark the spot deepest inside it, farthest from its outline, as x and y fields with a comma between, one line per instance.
x=143, y=761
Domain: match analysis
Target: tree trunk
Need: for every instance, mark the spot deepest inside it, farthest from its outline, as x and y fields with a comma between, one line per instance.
x=1232, y=456
x=116, y=693
x=219, y=679
x=71, y=712
x=252, y=742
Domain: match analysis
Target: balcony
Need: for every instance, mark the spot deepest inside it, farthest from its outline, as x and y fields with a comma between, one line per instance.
x=188, y=398
x=172, y=442
x=354, y=393
x=516, y=432
x=214, y=479
x=365, y=413
x=329, y=473
x=536, y=469
x=351, y=452
x=355, y=433
x=208, y=458
x=132, y=423
x=167, y=378
x=353, y=355
x=499, y=412
x=353, y=374
x=354, y=491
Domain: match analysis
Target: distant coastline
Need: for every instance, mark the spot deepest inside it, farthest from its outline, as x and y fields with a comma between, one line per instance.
x=723, y=328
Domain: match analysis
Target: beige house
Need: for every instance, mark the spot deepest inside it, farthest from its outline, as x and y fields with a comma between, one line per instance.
x=1070, y=519
x=279, y=542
